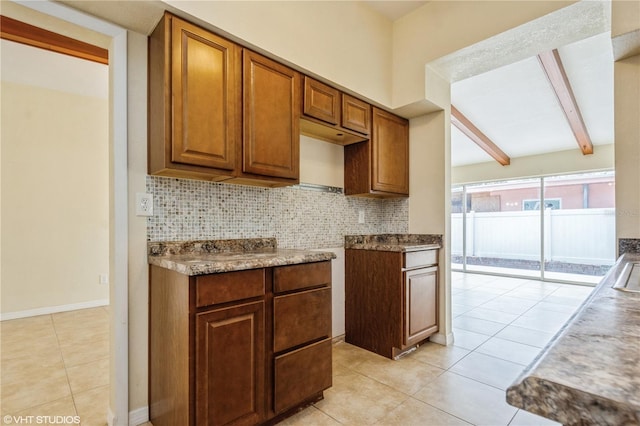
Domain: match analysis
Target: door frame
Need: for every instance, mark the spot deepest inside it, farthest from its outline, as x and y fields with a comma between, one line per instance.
x=118, y=205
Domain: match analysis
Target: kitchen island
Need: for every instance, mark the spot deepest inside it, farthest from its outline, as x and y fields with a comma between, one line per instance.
x=239, y=331
x=589, y=374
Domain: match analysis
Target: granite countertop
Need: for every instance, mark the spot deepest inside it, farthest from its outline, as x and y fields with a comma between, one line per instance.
x=216, y=256
x=393, y=242
x=589, y=374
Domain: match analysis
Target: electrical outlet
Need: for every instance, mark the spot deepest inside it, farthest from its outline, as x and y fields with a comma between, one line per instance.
x=144, y=204
x=361, y=216
x=104, y=279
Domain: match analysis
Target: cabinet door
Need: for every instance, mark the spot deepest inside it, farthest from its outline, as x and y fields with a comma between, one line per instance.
x=205, y=93
x=356, y=114
x=271, y=91
x=420, y=308
x=390, y=153
x=229, y=372
x=321, y=101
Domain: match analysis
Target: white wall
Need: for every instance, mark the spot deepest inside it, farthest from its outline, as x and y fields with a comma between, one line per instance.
x=55, y=215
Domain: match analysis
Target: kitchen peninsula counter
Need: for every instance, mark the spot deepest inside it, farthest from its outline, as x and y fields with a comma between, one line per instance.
x=218, y=256
x=589, y=374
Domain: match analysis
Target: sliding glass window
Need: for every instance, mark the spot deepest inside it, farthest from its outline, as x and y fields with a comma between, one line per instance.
x=559, y=228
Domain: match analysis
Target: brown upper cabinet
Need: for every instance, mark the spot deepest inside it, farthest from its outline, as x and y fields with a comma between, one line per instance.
x=271, y=95
x=198, y=82
x=333, y=116
x=379, y=167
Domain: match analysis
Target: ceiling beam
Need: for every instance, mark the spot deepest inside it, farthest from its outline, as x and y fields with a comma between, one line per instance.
x=552, y=66
x=20, y=32
x=480, y=139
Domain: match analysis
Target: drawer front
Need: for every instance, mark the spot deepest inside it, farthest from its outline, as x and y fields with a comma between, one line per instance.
x=305, y=275
x=414, y=259
x=302, y=317
x=301, y=374
x=229, y=286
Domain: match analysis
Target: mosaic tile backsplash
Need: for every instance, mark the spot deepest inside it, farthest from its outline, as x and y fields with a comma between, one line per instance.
x=297, y=217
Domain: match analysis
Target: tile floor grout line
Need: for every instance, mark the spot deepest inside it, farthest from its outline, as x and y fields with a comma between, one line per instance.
x=64, y=364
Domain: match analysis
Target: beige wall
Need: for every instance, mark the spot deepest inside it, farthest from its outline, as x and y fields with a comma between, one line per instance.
x=627, y=158
x=138, y=267
x=429, y=203
x=563, y=162
x=344, y=42
x=55, y=219
x=626, y=20
x=321, y=163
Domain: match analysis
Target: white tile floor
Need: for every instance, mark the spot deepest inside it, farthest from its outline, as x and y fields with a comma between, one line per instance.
x=500, y=325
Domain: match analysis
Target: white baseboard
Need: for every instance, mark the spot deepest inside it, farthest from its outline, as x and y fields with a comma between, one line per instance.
x=139, y=416
x=111, y=418
x=442, y=339
x=53, y=309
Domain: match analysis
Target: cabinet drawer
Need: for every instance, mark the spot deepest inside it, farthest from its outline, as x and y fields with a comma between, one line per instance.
x=414, y=259
x=229, y=286
x=302, y=317
x=301, y=374
x=295, y=277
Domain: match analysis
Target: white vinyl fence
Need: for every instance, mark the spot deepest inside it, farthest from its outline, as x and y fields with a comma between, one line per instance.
x=585, y=236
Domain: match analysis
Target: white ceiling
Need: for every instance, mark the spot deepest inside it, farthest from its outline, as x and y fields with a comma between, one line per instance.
x=516, y=107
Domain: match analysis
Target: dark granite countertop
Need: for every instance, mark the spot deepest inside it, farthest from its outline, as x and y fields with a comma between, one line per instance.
x=589, y=374
x=393, y=242
x=216, y=256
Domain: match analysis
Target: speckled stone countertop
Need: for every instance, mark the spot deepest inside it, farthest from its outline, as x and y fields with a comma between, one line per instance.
x=393, y=242
x=216, y=256
x=589, y=374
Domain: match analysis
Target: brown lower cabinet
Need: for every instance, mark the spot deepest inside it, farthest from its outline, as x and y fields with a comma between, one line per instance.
x=390, y=299
x=238, y=348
